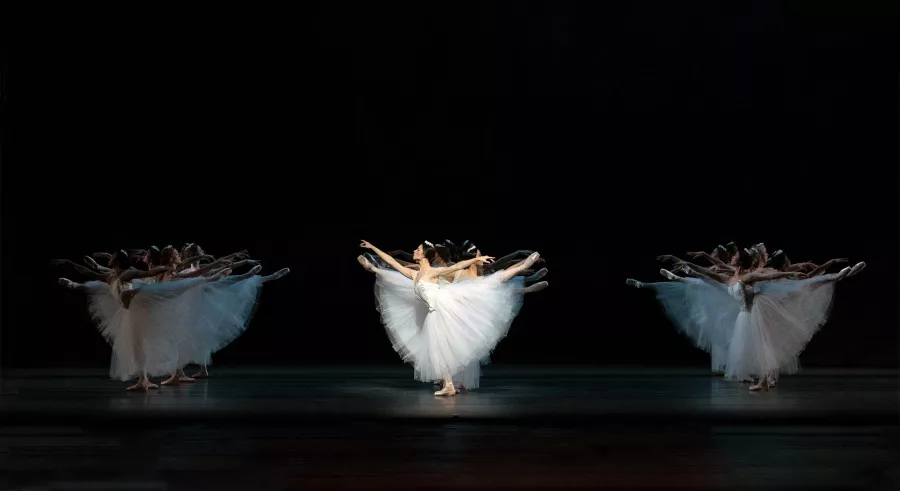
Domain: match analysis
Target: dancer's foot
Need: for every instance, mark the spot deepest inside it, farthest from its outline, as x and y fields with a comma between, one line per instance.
x=67, y=283
x=183, y=378
x=448, y=391
x=668, y=274
x=843, y=273
x=203, y=373
x=537, y=276
x=856, y=268
x=254, y=270
x=634, y=283
x=762, y=385
x=772, y=381
x=173, y=380
x=531, y=260
x=143, y=385
x=536, y=287
x=281, y=273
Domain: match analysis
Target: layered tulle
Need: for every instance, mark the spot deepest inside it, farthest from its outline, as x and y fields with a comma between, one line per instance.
x=144, y=336
x=458, y=325
x=783, y=318
x=701, y=310
x=213, y=316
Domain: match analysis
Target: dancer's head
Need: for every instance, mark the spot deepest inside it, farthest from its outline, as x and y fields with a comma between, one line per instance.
x=425, y=251
x=745, y=259
x=120, y=261
x=721, y=253
x=442, y=254
x=191, y=250
x=469, y=251
x=777, y=261
x=169, y=255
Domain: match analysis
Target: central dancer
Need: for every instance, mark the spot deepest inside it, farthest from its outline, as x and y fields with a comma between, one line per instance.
x=442, y=327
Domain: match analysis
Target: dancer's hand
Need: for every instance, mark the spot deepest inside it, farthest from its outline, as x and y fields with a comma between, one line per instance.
x=842, y=260
x=242, y=255
x=365, y=245
x=667, y=257
x=485, y=259
x=695, y=255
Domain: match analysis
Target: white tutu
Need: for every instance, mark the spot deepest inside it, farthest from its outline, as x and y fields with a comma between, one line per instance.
x=213, y=316
x=443, y=328
x=783, y=317
x=144, y=335
x=701, y=310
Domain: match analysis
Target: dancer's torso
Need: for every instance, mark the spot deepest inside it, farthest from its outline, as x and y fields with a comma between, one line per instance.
x=742, y=294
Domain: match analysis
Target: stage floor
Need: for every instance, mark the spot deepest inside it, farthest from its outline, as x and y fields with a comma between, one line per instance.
x=525, y=428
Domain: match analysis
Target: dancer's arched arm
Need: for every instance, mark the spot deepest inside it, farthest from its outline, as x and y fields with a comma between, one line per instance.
x=245, y=262
x=409, y=273
x=237, y=255
x=186, y=263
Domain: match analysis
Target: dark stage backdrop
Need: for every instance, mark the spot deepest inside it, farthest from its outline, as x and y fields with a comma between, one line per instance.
x=600, y=135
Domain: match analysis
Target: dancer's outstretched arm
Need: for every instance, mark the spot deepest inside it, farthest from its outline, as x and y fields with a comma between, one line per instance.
x=186, y=263
x=104, y=255
x=281, y=273
x=751, y=278
x=95, y=275
x=824, y=267
x=691, y=269
x=245, y=262
x=133, y=274
x=205, y=269
x=462, y=265
x=712, y=259
x=96, y=267
x=237, y=255
x=409, y=273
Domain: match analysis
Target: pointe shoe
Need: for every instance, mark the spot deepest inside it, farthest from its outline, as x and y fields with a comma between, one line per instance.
x=255, y=270
x=540, y=274
x=537, y=287
x=856, y=268
x=634, y=283
x=843, y=273
x=448, y=391
x=532, y=259
x=281, y=273
x=67, y=283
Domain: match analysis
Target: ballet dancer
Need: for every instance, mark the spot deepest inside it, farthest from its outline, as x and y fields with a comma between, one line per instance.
x=441, y=328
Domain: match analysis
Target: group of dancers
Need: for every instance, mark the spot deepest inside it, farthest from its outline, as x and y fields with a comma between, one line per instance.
x=752, y=312
x=445, y=307
x=161, y=310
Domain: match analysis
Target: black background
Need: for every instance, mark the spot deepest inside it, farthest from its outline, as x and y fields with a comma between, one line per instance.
x=601, y=135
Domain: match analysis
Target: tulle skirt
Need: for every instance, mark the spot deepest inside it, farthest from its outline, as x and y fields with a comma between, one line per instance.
x=784, y=316
x=701, y=310
x=468, y=320
x=143, y=336
x=213, y=316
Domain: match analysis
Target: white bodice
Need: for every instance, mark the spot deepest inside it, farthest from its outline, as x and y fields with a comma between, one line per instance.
x=118, y=287
x=741, y=294
x=427, y=292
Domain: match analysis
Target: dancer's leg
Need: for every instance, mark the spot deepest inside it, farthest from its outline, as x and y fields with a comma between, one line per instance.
x=508, y=274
